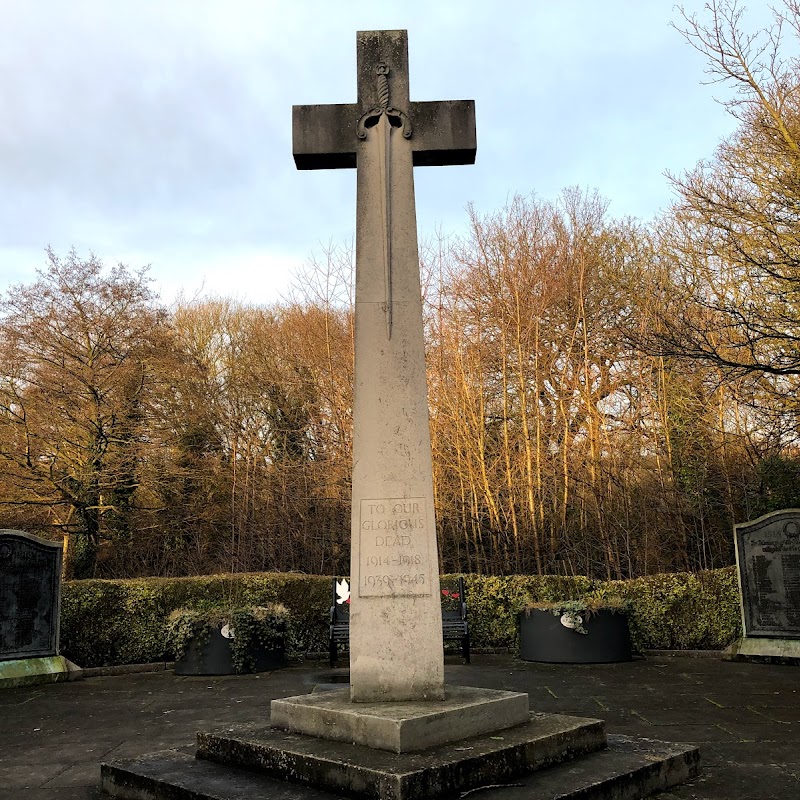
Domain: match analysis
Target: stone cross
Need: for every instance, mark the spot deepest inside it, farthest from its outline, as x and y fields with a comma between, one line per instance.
x=395, y=613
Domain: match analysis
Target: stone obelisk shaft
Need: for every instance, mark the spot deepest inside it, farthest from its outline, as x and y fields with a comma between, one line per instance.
x=395, y=613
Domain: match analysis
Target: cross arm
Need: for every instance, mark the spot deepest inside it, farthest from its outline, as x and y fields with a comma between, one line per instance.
x=324, y=136
x=444, y=132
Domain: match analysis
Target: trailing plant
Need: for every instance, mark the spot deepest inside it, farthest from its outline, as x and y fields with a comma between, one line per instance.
x=577, y=612
x=250, y=628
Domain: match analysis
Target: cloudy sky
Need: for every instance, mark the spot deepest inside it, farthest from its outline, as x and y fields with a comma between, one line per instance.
x=159, y=131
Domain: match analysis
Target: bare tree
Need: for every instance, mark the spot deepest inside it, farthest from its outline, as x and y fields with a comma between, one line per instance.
x=77, y=349
x=729, y=269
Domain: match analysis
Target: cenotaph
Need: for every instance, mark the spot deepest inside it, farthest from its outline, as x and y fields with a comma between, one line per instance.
x=395, y=611
x=398, y=732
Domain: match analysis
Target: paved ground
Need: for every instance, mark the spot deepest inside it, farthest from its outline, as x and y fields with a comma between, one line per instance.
x=745, y=717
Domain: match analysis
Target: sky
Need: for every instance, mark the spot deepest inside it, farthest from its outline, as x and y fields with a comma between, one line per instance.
x=159, y=132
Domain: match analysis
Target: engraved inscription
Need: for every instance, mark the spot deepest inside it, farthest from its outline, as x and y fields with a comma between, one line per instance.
x=790, y=562
x=30, y=574
x=769, y=555
x=394, y=544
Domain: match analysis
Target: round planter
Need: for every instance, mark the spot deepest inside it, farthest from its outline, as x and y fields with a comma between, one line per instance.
x=214, y=657
x=544, y=637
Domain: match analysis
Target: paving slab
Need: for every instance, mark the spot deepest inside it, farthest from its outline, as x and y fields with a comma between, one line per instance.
x=125, y=716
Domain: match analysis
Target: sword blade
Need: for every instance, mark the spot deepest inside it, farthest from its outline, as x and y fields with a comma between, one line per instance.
x=384, y=136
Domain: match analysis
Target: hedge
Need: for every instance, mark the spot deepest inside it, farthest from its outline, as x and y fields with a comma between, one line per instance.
x=110, y=622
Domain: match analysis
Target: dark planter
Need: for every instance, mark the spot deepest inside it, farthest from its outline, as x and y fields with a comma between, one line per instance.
x=543, y=637
x=214, y=657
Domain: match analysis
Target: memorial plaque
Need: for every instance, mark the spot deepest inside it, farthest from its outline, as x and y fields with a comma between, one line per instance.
x=768, y=559
x=394, y=548
x=30, y=593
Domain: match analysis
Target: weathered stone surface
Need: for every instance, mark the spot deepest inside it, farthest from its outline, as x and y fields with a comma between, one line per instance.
x=628, y=769
x=768, y=561
x=444, y=134
x=27, y=671
x=324, y=136
x=760, y=647
x=30, y=595
x=366, y=772
x=395, y=616
x=180, y=776
x=401, y=727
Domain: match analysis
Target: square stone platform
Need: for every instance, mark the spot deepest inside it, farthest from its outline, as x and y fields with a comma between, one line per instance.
x=401, y=727
x=628, y=769
x=360, y=771
x=547, y=756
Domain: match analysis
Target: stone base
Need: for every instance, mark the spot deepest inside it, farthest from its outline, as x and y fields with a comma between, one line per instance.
x=26, y=671
x=401, y=727
x=475, y=739
x=628, y=769
x=763, y=647
x=366, y=772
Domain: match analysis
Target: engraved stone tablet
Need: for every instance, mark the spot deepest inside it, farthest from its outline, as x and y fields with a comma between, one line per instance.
x=30, y=591
x=395, y=547
x=768, y=558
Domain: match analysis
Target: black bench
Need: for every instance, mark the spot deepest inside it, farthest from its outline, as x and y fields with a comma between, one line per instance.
x=454, y=621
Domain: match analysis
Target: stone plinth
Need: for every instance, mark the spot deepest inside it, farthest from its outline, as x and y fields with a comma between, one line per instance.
x=440, y=771
x=401, y=727
x=628, y=769
x=26, y=671
x=759, y=647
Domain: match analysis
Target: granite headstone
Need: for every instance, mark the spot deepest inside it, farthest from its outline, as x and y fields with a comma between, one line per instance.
x=30, y=592
x=768, y=560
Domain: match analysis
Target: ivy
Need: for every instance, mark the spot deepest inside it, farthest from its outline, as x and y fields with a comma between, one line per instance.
x=252, y=626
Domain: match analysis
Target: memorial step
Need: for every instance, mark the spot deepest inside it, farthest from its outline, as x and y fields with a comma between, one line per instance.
x=466, y=712
x=358, y=770
x=628, y=769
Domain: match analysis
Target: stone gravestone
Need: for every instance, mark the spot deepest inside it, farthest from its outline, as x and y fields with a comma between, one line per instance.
x=398, y=733
x=30, y=597
x=768, y=563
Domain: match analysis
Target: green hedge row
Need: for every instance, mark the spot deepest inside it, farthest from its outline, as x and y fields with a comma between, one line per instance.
x=108, y=622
